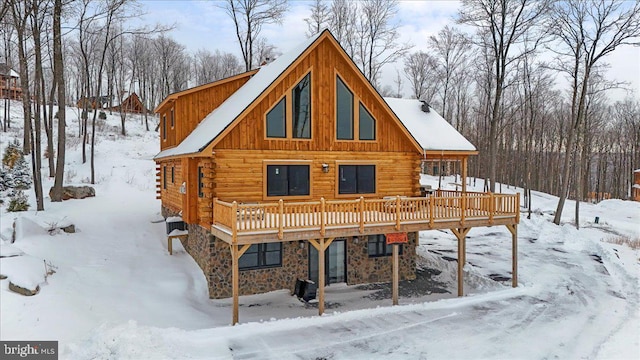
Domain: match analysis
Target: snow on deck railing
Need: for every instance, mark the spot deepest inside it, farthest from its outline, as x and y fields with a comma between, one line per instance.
x=324, y=214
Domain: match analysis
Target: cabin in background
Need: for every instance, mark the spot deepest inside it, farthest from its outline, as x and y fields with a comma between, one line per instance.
x=301, y=170
x=131, y=105
x=9, y=86
x=94, y=102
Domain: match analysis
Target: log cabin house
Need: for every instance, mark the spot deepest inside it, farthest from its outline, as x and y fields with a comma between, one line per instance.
x=94, y=102
x=9, y=86
x=131, y=105
x=300, y=169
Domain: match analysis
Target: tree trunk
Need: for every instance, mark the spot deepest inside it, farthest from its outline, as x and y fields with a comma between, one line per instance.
x=58, y=73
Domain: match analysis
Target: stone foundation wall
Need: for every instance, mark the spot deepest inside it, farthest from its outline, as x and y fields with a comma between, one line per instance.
x=256, y=281
x=362, y=269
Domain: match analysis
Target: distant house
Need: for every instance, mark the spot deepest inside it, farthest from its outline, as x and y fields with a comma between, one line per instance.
x=302, y=170
x=132, y=105
x=635, y=190
x=94, y=102
x=9, y=86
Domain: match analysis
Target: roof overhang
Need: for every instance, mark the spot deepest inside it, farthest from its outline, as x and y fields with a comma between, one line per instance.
x=448, y=154
x=175, y=95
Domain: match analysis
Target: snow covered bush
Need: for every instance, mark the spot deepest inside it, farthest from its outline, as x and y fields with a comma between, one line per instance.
x=12, y=153
x=4, y=176
x=18, y=201
x=20, y=175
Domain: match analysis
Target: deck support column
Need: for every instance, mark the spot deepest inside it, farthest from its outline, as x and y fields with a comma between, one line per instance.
x=513, y=229
x=321, y=245
x=396, y=276
x=462, y=256
x=236, y=252
x=321, y=276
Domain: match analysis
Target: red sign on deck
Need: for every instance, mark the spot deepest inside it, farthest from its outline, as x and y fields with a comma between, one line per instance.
x=397, y=238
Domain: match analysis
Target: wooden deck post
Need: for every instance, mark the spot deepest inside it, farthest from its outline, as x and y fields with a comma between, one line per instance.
x=396, y=276
x=323, y=219
x=397, y=212
x=321, y=277
x=234, y=222
x=280, y=219
x=461, y=234
x=513, y=229
x=235, y=273
x=464, y=174
x=361, y=214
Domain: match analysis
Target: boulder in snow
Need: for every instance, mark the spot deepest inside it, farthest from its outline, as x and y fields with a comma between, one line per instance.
x=70, y=229
x=23, y=291
x=76, y=192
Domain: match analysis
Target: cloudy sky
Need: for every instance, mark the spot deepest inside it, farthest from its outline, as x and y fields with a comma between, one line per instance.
x=203, y=24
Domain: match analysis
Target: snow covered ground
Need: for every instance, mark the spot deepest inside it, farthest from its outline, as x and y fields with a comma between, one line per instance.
x=117, y=294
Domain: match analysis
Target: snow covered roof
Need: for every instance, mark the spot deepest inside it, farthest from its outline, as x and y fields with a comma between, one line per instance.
x=6, y=71
x=220, y=118
x=637, y=170
x=430, y=129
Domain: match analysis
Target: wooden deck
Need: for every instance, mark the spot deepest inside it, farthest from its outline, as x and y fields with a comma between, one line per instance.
x=240, y=224
x=320, y=222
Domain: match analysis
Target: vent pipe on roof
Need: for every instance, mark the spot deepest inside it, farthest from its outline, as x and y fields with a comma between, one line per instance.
x=425, y=106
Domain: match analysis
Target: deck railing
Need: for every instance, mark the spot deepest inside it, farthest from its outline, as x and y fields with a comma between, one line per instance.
x=281, y=216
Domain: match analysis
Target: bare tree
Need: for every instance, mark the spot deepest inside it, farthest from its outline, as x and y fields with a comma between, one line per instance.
x=377, y=37
x=420, y=69
x=249, y=16
x=210, y=66
x=319, y=18
x=58, y=78
x=450, y=49
x=502, y=27
x=587, y=32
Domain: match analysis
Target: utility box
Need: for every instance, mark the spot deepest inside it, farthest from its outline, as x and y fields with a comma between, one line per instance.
x=311, y=288
x=175, y=223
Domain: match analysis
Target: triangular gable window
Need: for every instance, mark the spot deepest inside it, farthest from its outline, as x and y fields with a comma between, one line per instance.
x=367, y=125
x=276, y=125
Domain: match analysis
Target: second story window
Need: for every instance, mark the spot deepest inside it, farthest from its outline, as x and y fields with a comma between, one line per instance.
x=276, y=124
x=288, y=180
x=290, y=117
x=173, y=121
x=353, y=120
x=356, y=179
x=367, y=124
x=200, y=182
x=344, y=111
x=164, y=177
x=302, y=108
x=164, y=127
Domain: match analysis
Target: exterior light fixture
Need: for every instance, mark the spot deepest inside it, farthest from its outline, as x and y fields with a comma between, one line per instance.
x=325, y=168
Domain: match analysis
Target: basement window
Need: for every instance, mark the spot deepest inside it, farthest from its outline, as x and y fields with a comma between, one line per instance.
x=377, y=246
x=260, y=256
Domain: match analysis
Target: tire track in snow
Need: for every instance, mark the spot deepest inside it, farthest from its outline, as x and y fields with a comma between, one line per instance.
x=332, y=338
